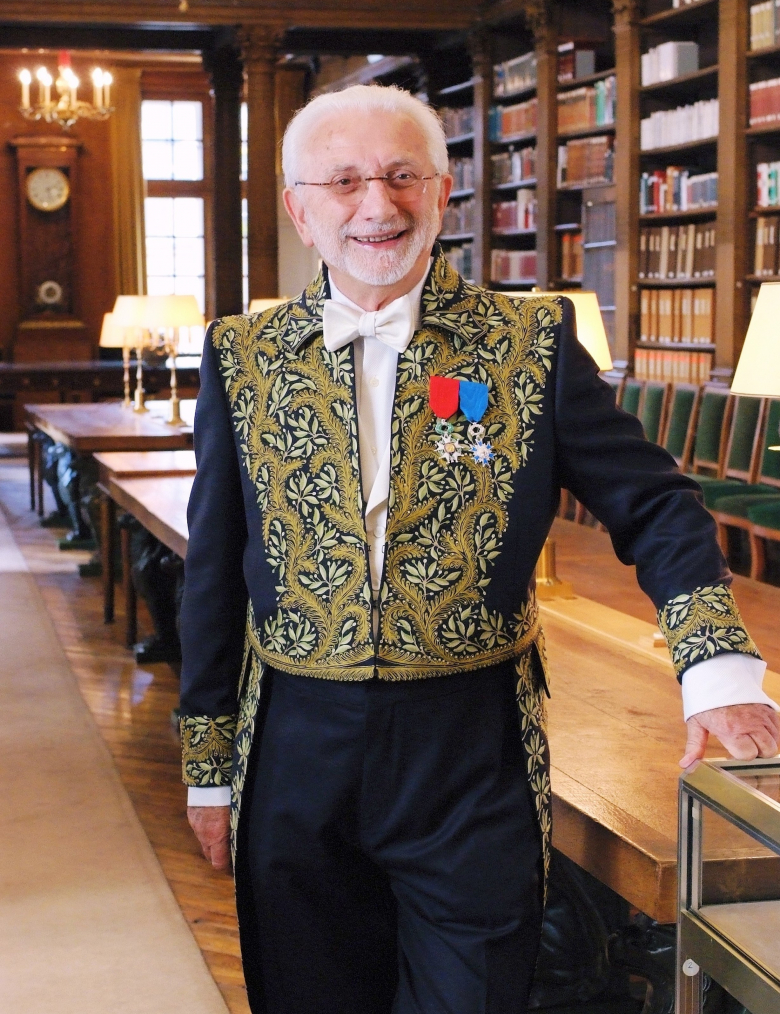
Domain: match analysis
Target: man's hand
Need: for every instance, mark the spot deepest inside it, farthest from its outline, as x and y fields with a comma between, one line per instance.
x=746, y=730
x=211, y=825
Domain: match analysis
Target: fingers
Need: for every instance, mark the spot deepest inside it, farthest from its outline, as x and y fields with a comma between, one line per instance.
x=220, y=855
x=696, y=743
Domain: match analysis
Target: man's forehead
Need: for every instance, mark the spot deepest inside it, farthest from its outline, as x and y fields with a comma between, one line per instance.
x=344, y=140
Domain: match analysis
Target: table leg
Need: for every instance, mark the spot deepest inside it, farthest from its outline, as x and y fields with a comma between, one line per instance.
x=131, y=605
x=31, y=464
x=39, y=475
x=107, y=553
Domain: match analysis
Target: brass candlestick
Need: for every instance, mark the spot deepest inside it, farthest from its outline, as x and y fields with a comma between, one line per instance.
x=548, y=584
x=139, y=404
x=127, y=401
x=174, y=416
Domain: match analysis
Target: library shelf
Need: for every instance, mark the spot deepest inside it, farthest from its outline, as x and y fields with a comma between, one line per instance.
x=673, y=216
x=677, y=346
x=515, y=138
x=681, y=83
x=758, y=54
x=704, y=142
x=600, y=244
x=762, y=278
x=460, y=138
x=573, y=187
x=580, y=82
x=528, y=92
x=569, y=227
x=607, y=128
x=764, y=128
x=455, y=237
x=514, y=185
x=456, y=88
x=514, y=232
x=689, y=14
x=676, y=283
x=468, y=192
x=773, y=209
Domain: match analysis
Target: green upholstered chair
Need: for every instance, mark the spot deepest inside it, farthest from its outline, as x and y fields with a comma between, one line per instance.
x=764, y=518
x=680, y=429
x=741, y=452
x=632, y=395
x=730, y=510
x=712, y=427
x=653, y=410
x=616, y=383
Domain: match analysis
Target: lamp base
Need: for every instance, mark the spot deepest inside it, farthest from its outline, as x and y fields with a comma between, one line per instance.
x=548, y=584
x=174, y=414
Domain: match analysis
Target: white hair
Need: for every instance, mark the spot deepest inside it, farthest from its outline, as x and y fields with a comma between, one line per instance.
x=378, y=99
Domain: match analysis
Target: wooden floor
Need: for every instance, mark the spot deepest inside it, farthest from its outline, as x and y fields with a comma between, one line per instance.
x=132, y=707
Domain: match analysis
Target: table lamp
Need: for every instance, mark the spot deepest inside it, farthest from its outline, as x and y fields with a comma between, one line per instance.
x=113, y=336
x=129, y=313
x=165, y=315
x=591, y=334
x=259, y=305
x=758, y=369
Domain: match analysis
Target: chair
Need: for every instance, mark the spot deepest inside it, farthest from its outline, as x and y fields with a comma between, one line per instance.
x=653, y=409
x=680, y=429
x=742, y=452
x=631, y=399
x=712, y=427
x=616, y=383
x=764, y=518
x=731, y=510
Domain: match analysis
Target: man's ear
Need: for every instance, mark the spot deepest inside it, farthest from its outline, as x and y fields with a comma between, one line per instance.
x=297, y=212
x=444, y=194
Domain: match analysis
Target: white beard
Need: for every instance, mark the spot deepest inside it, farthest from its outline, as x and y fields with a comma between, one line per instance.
x=380, y=268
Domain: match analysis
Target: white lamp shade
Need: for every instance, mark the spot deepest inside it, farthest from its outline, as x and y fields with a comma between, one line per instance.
x=259, y=305
x=172, y=312
x=112, y=336
x=590, y=324
x=130, y=311
x=758, y=369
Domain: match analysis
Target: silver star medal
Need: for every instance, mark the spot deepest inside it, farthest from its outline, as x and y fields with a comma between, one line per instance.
x=448, y=446
x=481, y=449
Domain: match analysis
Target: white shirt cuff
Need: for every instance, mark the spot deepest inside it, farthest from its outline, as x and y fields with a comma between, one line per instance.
x=731, y=678
x=217, y=795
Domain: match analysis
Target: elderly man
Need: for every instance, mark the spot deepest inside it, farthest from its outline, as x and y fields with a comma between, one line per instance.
x=379, y=462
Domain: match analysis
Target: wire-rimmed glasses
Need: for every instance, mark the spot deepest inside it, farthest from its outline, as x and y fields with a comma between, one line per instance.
x=353, y=187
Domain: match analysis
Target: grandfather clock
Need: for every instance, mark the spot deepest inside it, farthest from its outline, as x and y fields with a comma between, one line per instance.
x=47, y=178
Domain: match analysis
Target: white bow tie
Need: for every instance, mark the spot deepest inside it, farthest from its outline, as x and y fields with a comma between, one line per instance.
x=393, y=324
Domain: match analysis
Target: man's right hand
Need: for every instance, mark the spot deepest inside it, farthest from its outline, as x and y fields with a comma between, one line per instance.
x=211, y=825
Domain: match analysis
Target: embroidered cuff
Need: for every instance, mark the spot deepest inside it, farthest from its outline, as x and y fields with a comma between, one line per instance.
x=207, y=749
x=702, y=624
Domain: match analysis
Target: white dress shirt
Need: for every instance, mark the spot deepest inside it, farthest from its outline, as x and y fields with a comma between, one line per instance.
x=727, y=679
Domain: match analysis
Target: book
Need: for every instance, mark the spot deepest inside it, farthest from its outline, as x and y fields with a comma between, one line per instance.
x=518, y=120
x=583, y=108
x=674, y=316
x=668, y=61
x=515, y=75
x=457, y=121
x=676, y=367
x=514, y=166
x=586, y=161
x=677, y=189
x=666, y=128
x=574, y=63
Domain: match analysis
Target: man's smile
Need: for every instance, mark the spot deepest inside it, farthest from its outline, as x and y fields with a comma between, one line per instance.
x=385, y=239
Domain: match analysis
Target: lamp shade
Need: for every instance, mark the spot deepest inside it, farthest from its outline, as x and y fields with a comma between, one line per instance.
x=258, y=305
x=758, y=369
x=172, y=311
x=590, y=324
x=112, y=335
x=130, y=311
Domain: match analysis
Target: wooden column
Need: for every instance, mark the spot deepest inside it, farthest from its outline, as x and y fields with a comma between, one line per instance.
x=259, y=50
x=290, y=97
x=543, y=26
x=482, y=73
x=731, y=306
x=626, y=173
x=227, y=78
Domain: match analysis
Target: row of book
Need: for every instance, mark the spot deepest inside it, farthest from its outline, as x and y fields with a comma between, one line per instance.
x=677, y=251
x=506, y=122
x=768, y=184
x=513, y=265
x=765, y=102
x=666, y=127
x=582, y=108
x=586, y=161
x=462, y=172
x=461, y=257
x=515, y=75
x=764, y=24
x=765, y=258
x=571, y=256
x=574, y=63
x=457, y=121
x=677, y=189
x=510, y=216
x=668, y=61
x=459, y=217
x=514, y=166
x=672, y=367
x=674, y=316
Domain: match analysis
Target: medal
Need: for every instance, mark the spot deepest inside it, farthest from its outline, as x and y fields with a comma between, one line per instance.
x=445, y=394
x=473, y=404
x=449, y=445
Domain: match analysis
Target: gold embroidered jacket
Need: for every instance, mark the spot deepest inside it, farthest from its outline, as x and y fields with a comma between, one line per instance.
x=277, y=569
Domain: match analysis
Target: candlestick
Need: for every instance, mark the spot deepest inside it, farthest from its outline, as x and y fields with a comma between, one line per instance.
x=107, y=82
x=97, y=82
x=25, y=77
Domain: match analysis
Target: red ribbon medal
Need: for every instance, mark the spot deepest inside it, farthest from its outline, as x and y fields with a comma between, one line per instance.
x=443, y=396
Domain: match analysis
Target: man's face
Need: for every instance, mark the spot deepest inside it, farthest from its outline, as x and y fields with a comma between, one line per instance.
x=376, y=236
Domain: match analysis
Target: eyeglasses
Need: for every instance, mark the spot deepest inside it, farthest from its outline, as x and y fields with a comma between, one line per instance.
x=355, y=187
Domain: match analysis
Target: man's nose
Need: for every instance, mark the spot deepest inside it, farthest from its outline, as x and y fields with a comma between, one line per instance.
x=377, y=201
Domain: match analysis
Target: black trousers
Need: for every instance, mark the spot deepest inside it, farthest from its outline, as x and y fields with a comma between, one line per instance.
x=392, y=848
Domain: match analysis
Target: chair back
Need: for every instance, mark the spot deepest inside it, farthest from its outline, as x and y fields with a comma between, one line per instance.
x=616, y=383
x=632, y=395
x=654, y=407
x=712, y=427
x=744, y=443
x=680, y=429
x=769, y=466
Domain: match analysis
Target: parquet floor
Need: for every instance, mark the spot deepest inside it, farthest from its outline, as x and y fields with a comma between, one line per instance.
x=132, y=707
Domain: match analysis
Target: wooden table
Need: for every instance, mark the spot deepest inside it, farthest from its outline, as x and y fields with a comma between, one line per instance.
x=105, y=426
x=126, y=465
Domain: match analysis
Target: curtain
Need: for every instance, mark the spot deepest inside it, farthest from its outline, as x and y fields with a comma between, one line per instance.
x=127, y=182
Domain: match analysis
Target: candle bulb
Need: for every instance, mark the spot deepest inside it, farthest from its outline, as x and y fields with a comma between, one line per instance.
x=97, y=81
x=45, y=81
x=107, y=82
x=73, y=82
x=25, y=77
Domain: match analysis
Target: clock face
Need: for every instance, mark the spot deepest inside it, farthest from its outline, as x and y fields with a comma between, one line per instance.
x=48, y=189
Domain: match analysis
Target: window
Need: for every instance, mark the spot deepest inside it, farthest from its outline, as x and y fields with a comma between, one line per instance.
x=176, y=208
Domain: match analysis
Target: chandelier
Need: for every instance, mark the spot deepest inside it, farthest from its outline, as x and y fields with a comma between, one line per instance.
x=66, y=107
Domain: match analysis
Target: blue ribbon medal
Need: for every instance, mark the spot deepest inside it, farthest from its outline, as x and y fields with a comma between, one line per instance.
x=473, y=400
